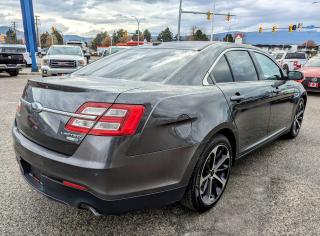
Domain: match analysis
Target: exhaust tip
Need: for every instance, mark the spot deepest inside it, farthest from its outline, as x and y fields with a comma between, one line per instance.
x=92, y=209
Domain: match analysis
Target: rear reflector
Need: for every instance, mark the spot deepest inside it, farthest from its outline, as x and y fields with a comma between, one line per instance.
x=107, y=119
x=73, y=185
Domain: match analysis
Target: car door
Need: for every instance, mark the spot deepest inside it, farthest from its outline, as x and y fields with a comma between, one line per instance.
x=249, y=98
x=282, y=103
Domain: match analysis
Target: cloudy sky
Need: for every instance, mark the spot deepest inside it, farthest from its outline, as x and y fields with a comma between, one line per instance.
x=87, y=17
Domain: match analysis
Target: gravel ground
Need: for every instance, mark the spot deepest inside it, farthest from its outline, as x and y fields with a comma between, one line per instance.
x=275, y=190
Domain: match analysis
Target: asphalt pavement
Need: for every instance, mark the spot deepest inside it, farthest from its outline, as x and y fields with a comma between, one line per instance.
x=273, y=191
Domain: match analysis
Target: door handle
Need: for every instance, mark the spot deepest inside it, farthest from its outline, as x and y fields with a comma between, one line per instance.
x=237, y=98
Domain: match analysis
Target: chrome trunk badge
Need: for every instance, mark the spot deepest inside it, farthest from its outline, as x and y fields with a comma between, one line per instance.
x=36, y=107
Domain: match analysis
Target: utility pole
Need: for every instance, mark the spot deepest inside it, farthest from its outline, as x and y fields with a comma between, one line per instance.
x=37, y=30
x=14, y=28
x=208, y=14
x=179, y=20
x=212, y=19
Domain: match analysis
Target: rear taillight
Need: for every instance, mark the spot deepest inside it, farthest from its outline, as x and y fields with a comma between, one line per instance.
x=106, y=119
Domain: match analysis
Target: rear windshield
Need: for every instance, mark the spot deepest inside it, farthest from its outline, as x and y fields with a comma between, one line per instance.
x=139, y=64
x=295, y=56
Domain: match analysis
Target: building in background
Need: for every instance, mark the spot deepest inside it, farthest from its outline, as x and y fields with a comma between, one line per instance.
x=2, y=38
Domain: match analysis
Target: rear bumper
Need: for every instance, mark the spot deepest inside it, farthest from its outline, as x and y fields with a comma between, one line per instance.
x=55, y=190
x=148, y=180
x=48, y=71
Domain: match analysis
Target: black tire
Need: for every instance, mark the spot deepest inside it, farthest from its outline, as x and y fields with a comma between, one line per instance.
x=13, y=72
x=297, y=120
x=197, y=196
x=286, y=69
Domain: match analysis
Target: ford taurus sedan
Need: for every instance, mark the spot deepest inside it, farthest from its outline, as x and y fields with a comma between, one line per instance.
x=153, y=125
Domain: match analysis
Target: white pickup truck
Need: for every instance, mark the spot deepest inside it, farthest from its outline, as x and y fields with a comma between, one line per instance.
x=62, y=59
x=290, y=61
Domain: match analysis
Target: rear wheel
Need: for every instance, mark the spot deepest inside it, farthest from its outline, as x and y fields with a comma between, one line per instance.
x=297, y=120
x=13, y=72
x=210, y=176
x=286, y=69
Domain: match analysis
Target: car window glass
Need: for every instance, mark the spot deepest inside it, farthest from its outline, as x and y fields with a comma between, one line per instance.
x=141, y=64
x=295, y=56
x=221, y=72
x=242, y=66
x=269, y=69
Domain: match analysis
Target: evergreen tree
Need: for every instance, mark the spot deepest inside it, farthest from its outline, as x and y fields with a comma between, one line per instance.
x=165, y=35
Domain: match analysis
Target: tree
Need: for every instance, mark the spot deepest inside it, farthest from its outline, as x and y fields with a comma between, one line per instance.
x=57, y=37
x=11, y=36
x=228, y=38
x=45, y=39
x=123, y=36
x=106, y=42
x=309, y=44
x=165, y=35
x=147, y=35
x=199, y=36
x=135, y=36
x=97, y=41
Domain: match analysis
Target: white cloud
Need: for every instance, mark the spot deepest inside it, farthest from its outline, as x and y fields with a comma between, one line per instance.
x=90, y=16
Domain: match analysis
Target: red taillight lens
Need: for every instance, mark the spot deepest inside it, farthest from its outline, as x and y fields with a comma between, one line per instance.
x=73, y=185
x=107, y=119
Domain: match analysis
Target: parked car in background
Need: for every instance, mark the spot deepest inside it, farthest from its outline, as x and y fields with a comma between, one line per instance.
x=311, y=71
x=114, y=49
x=153, y=125
x=12, y=58
x=62, y=59
x=290, y=61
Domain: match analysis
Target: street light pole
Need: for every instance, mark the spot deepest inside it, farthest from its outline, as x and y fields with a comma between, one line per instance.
x=179, y=21
x=138, y=22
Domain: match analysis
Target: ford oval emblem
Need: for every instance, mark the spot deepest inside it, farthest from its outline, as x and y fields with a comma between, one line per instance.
x=36, y=107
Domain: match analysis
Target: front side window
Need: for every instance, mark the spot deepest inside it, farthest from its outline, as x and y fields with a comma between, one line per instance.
x=221, y=71
x=269, y=69
x=242, y=66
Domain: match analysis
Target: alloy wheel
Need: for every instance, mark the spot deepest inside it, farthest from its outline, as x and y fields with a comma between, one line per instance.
x=298, y=118
x=215, y=174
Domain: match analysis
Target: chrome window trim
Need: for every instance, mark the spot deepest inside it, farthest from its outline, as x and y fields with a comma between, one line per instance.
x=205, y=80
x=63, y=113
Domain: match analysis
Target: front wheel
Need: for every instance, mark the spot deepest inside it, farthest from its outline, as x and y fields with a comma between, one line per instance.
x=297, y=120
x=210, y=176
x=13, y=72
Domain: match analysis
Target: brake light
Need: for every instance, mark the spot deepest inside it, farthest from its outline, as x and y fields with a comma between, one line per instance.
x=105, y=119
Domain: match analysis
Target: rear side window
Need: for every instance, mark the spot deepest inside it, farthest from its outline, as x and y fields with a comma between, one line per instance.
x=295, y=56
x=242, y=66
x=221, y=72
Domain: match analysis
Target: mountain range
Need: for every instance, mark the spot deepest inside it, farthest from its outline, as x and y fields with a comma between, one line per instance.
x=255, y=38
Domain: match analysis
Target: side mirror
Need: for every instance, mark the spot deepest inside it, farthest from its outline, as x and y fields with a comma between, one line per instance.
x=295, y=75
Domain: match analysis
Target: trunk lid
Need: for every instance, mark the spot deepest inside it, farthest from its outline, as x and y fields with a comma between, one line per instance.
x=60, y=97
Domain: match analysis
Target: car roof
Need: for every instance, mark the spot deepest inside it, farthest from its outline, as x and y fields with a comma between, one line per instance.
x=197, y=45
